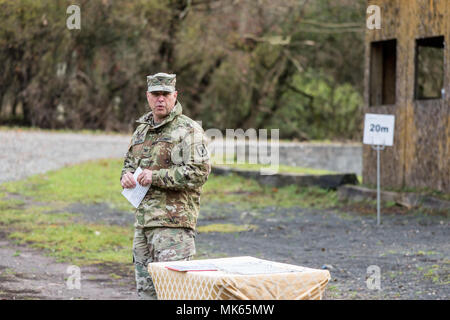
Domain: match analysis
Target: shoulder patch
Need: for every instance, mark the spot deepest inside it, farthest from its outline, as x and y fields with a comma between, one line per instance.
x=201, y=149
x=201, y=153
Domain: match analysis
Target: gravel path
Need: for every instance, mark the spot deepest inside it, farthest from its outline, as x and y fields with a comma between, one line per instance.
x=24, y=153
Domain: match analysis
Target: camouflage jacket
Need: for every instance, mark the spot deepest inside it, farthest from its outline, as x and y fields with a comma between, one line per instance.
x=176, y=151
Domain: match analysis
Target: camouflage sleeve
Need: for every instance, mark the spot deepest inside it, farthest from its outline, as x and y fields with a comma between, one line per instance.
x=191, y=165
x=129, y=163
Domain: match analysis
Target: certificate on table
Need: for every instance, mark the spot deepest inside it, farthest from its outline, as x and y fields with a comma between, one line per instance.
x=192, y=267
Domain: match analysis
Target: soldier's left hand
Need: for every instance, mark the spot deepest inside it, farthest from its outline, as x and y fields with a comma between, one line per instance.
x=145, y=177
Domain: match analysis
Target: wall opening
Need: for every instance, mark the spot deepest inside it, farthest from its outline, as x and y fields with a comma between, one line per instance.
x=429, y=76
x=383, y=72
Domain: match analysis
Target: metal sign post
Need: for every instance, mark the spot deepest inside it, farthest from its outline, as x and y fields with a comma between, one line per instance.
x=379, y=133
x=378, y=148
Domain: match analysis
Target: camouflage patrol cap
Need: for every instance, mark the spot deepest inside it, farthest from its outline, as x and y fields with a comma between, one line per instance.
x=161, y=82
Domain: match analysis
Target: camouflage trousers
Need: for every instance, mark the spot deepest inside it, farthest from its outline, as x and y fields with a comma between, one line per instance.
x=157, y=245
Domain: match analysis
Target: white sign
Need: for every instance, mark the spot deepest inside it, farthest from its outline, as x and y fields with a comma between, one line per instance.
x=379, y=129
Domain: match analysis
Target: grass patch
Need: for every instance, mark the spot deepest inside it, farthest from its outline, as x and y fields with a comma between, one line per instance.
x=427, y=253
x=80, y=244
x=281, y=168
x=225, y=228
x=45, y=225
x=247, y=194
x=438, y=275
x=89, y=182
x=62, y=238
x=26, y=218
x=98, y=182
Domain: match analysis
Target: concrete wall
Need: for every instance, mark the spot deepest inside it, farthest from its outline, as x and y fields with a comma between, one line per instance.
x=342, y=158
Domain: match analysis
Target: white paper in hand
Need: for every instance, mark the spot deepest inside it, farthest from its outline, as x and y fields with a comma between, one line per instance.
x=136, y=194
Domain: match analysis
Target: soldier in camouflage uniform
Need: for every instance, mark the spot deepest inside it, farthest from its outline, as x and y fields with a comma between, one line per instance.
x=171, y=150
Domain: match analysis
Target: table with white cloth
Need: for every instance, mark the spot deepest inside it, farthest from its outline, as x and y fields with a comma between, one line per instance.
x=237, y=278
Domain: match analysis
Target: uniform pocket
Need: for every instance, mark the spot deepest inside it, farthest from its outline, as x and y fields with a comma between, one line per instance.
x=162, y=151
x=146, y=152
x=136, y=149
x=174, y=244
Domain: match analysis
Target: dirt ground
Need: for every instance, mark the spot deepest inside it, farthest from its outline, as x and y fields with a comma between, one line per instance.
x=411, y=251
x=28, y=274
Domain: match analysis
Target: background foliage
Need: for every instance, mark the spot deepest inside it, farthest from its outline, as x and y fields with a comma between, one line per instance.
x=296, y=65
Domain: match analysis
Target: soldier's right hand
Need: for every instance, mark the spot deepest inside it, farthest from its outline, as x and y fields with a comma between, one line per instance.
x=128, y=181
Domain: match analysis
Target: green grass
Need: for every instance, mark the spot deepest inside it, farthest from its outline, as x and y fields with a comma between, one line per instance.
x=281, y=168
x=437, y=275
x=98, y=182
x=89, y=182
x=225, y=228
x=63, y=238
x=41, y=222
x=247, y=193
x=80, y=243
x=427, y=253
